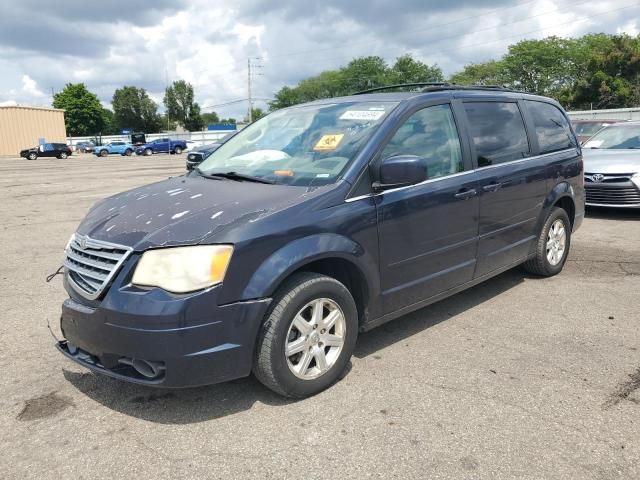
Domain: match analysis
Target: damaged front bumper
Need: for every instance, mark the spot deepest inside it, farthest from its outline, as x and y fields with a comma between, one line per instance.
x=155, y=338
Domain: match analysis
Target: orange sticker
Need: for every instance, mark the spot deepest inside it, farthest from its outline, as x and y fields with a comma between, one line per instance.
x=283, y=173
x=328, y=142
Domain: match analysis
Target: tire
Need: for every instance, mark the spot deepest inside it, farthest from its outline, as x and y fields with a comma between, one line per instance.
x=148, y=152
x=104, y=153
x=128, y=152
x=552, y=246
x=177, y=150
x=318, y=364
x=32, y=156
x=63, y=155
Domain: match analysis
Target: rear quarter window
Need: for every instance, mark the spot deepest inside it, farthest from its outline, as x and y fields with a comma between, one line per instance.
x=552, y=128
x=498, y=132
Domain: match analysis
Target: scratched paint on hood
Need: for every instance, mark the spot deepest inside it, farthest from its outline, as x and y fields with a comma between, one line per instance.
x=151, y=215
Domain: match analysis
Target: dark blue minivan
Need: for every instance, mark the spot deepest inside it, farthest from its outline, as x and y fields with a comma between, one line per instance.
x=315, y=223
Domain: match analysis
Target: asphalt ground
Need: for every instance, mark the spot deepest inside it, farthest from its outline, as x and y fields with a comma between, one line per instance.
x=519, y=377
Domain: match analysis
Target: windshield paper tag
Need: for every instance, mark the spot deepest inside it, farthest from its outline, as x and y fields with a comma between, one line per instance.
x=362, y=115
x=328, y=142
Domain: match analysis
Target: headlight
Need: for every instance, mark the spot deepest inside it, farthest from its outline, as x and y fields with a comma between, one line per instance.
x=183, y=269
x=636, y=179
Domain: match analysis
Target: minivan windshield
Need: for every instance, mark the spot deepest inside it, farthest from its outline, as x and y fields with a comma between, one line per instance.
x=616, y=136
x=310, y=145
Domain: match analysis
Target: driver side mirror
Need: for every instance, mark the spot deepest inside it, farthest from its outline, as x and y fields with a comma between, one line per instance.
x=401, y=171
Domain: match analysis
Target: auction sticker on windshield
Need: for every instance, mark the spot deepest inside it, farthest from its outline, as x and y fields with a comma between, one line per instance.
x=362, y=115
x=328, y=142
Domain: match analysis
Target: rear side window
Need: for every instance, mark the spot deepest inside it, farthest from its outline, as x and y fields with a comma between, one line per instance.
x=552, y=128
x=497, y=131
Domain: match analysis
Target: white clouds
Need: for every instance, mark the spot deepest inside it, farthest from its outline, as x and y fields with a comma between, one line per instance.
x=30, y=87
x=208, y=44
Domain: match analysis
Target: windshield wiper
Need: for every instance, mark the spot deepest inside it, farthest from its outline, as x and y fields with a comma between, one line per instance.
x=236, y=176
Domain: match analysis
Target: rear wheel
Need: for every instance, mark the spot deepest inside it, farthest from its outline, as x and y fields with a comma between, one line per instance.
x=32, y=156
x=63, y=155
x=104, y=153
x=552, y=246
x=177, y=150
x=308, y=338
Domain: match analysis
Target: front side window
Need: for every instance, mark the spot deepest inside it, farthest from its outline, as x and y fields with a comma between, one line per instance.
x=309, y=145
x=552, y=128
x=431, y=134
x=498, y=132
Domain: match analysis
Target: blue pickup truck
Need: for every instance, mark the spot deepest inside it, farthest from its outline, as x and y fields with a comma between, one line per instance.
x=162, y=145
x=122, y=148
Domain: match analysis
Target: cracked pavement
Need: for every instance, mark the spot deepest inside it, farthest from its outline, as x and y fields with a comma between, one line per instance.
x=518, y=377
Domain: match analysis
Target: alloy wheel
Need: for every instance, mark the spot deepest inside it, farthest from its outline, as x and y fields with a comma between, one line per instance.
x=315, y=339
x=556, y=242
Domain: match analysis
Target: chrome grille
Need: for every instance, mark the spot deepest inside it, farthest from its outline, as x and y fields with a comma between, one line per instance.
x=91, y=264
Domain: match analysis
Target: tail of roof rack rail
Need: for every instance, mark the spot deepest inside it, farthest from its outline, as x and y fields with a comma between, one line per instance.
x=436, y=86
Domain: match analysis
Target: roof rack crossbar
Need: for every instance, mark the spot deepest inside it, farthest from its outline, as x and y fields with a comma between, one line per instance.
x=437, y=86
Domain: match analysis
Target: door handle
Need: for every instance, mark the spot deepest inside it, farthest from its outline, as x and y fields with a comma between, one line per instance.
x=492, y=187
x=465, y=194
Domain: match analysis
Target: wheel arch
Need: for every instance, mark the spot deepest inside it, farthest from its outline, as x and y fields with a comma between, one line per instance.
x=562, y=196
x=327, y=254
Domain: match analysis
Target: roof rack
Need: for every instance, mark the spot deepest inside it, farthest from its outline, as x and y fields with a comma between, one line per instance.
x=436, y=86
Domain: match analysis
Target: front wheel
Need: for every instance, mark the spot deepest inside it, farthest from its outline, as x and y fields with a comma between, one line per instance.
x=104, y=153
x=148, y=151
x=32, y=156
x=308, y=338
x=552, y=246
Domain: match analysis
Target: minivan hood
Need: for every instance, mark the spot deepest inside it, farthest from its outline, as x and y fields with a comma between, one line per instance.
x=611, y=161
x=185, y=210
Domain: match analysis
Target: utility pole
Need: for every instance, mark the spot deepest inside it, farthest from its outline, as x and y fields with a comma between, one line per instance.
x=250, y=74
x=250, y=116
x=166, y=80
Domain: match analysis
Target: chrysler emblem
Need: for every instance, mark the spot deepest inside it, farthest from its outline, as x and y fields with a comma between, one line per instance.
x=83, y=243
x=598, y=177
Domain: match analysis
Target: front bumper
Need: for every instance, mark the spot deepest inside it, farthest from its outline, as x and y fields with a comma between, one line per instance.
x=190, y=338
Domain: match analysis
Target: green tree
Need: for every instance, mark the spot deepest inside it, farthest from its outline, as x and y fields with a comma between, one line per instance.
x=611, y=76
x=487, y=73
x=546, y=67
x=209, y=118
x=256, y=114
x=134, y=109
x=179, y=102
x=408, y=70
x=109, y=125
x=83, y=111
x=359, y=74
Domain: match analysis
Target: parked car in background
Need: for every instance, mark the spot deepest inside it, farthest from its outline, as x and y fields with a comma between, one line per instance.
x=612, y=166
x=57, y=150
x=122, y=148
x=585, y=129
x=85, y=147
x=196, y=157
x=162, y=145
x=314, y=223
x=192, y=145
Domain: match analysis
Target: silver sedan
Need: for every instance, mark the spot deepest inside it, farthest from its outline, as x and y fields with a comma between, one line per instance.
x=612, y=166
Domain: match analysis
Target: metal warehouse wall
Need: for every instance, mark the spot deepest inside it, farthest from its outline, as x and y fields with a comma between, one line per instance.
x=610, y=114
x=21, y=127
